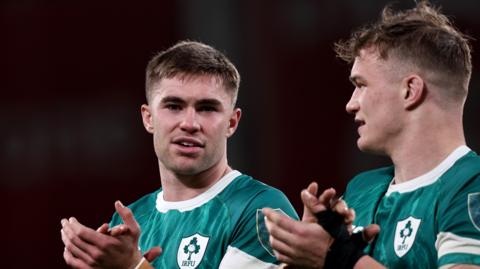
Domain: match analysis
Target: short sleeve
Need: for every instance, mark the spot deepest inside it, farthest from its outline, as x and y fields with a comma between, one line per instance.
x=458, y=238
x=249, y=247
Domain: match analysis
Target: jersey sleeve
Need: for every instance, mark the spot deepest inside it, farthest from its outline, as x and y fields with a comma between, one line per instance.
x=249, y=246
x=458, y=237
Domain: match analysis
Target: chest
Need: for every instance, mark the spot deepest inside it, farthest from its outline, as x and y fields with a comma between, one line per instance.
x=408, y=229
x=191, y=239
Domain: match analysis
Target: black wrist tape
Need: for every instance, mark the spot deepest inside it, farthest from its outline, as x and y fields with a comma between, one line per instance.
x=332, y=222
x=343, y=255
x=346, y=250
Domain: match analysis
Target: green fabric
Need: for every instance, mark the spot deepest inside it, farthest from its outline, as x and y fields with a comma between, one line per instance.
x=229, y=219
x=417, y=217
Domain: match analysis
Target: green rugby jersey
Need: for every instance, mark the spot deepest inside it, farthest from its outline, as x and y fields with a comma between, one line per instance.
x=431, y=221
x=220, y=228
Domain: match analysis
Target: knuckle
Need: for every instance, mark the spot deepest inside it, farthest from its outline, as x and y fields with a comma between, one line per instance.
x=96, y=256
x=75, y=241
x=69, y=246
x=128, y=213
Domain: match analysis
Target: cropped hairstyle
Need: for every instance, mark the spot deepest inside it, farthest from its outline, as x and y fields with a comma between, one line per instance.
x=420, y=36
x=189, y=58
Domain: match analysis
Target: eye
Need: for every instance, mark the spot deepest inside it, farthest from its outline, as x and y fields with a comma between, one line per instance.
x=359, y=86
x=172, y=106
x=207, y=108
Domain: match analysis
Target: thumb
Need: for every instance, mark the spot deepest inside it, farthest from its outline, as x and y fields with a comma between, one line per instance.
x=127, y=217
x=370, y=232
x=152, y=253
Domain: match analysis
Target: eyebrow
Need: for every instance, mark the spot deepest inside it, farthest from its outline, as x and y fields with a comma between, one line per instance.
x=178, y=100
x=172, y=99
x=209, y=101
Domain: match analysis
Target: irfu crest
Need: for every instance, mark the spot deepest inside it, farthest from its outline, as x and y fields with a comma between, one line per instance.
x=191, y=251
x=405, y=234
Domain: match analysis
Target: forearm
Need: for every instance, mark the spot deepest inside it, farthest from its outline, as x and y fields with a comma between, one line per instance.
x=367, y=262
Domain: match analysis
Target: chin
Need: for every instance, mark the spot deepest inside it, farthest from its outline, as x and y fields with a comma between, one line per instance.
x=370, y=148
x=187, y=170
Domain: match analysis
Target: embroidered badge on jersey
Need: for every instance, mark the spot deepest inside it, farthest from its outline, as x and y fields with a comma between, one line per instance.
x=405, y=235
x=262, y=231
x=191, y=250
x=474, y=209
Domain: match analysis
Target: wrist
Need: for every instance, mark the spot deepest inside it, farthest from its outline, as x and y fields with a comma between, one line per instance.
x=143, y=264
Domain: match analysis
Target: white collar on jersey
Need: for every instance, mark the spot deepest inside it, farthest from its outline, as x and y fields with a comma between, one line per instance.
x=187, y=205
x=431, y=176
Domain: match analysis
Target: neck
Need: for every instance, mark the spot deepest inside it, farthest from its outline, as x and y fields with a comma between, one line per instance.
x=426, y=146
x=180, y=187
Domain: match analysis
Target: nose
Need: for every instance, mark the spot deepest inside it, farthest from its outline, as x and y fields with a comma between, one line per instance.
x=189, y=121
x=353, y=105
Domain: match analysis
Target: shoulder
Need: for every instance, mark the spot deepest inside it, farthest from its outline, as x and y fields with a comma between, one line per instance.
x=465, y=171
x=243, y=199
x=460, y=182
x=247, y=193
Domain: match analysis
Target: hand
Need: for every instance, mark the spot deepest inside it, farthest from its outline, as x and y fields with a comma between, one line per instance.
x=120, y=229
x=313, y=205
x=306, y=243
x=295, y=242
x=117, y=248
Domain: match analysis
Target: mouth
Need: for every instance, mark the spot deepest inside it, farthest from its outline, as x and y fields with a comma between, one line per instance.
x=188, y=142
x=359, y=122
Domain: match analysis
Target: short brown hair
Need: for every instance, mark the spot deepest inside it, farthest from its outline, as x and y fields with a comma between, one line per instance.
x=421, y=36
x=192, y=58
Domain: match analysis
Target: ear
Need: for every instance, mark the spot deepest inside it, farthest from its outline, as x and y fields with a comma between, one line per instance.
x=147, y=118
x=233, y=121
x=413, y=91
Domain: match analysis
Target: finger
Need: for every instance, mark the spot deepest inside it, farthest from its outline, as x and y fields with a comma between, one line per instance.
x=103, y=228
x=286, y=233
x=327, y=196
x=313, y=188
x=73, y=261
x=74, y=250
x=127, y=217
x=370, y=232
x=86, y=234
x=300, y=254
x=310, y=206
x=71, y=239
x=310, y=202
x=278, y=219
x=280, y=226
x=349, y=220
x=280, y=252
x=153, y=253
x=280, y=248
x=350, y=217
x=340, y=206
x=119, y=230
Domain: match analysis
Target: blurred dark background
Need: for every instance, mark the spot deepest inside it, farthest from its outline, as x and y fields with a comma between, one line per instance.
x=72, y=75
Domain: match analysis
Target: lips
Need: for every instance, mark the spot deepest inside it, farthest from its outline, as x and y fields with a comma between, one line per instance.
x=188, y=142
x=359, y=122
